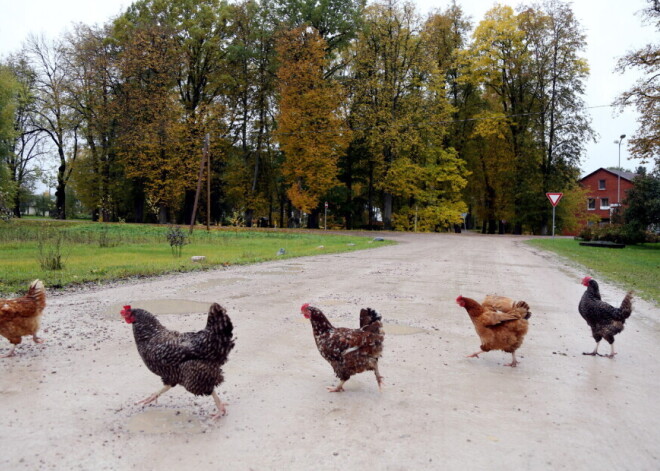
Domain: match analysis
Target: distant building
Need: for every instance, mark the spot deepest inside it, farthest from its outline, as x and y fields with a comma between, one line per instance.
x=606, y=191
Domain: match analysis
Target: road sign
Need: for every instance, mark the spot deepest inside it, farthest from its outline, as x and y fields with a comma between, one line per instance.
x=554, y=198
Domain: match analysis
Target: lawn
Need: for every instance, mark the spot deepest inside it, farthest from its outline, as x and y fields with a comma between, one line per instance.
x=635, y=267
x=96, y=252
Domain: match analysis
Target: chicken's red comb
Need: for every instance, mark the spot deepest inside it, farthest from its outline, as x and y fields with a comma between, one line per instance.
x=460, y=298
x=126, y=310
x=304, y=306
x=586, y=280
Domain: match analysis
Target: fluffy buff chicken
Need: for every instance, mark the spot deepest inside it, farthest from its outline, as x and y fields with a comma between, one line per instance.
x=191, y=359
x=605, y=320
x=500, y=323
x=21, y=316
x=349, y=351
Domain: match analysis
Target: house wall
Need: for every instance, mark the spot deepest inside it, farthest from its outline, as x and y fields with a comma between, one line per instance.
x=591, y=183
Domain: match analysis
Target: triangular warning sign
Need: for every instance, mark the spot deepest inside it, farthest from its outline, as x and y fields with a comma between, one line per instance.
x=554, y=197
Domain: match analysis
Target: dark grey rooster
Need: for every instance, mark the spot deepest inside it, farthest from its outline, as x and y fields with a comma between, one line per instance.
x=605, y=320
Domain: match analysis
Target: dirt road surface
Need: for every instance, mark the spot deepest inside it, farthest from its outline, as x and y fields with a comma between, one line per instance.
x=69, y=403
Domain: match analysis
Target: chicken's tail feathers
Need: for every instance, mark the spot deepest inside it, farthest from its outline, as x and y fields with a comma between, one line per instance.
x=525, y=307
x=626, y=306
x=370, y=320
x=37, y=291
x=219, y=321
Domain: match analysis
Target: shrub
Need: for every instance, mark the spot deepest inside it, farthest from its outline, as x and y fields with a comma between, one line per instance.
x=50, y=255
x=177, y=239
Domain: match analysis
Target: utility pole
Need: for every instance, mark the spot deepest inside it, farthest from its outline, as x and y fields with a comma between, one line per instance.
x=202, y=161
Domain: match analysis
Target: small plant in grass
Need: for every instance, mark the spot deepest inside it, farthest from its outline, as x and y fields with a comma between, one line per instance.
x=177, y=239
x=104, y=238
x=50, y=256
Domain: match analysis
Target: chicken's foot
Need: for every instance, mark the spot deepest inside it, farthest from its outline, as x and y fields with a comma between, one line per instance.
x=612, y=352
x=514, y=362
x=475, y=354
x=339, y=388
x=37, y=339
x=154, y=396
x=11, y=352
x=595, y=352
x=222, y=410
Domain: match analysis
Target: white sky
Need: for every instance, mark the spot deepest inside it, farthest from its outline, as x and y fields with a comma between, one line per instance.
x=613, y=27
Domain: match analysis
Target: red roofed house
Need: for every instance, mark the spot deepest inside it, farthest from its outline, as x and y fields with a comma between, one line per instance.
x=606, y=190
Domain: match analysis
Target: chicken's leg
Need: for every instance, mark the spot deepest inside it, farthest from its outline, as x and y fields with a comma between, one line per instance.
x=514, y=362
x=37, y=339
x=220, y=405
x=475, y=354
x=154, y=396
x=339, y=388
x=379, y=378
x=595, y=352
x=612, y=352
x=11, y=352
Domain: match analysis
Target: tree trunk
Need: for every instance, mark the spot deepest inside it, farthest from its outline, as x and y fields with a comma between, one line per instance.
x=387, y=211
x=162, y=214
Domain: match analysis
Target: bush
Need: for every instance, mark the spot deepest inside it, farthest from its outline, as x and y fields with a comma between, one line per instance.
x=50, y=255
x=177, y=239
x=622, y=234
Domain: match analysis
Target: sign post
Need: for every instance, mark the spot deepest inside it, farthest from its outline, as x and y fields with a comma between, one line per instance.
x=554, y=200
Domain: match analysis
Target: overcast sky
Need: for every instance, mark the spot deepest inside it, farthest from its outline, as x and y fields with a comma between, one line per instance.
x=612, y=27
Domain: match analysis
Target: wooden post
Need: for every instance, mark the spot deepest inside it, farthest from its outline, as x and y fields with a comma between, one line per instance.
x=202, y=161
x=207, y=151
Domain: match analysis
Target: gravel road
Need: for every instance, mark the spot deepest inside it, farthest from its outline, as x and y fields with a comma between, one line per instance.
x=68, y=404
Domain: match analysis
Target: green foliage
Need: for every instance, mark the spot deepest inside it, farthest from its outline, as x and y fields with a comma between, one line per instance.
x=643, y=202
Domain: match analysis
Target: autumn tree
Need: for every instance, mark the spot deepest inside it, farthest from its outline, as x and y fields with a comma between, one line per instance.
x=533, y=77
x=645, y=94
x=311, y=132
x=151, y=135
x=399, y=112
x=8, y=103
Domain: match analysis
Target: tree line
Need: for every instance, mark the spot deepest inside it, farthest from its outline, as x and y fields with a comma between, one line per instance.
x=392, y=119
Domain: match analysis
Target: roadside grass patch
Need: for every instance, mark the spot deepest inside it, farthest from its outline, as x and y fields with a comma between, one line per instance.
x=635, y=267
x=98, y=252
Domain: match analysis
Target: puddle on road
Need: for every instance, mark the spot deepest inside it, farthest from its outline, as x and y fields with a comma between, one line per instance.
x=214, y=283
x=160, y=307
x=395, y=329
x=164, y=421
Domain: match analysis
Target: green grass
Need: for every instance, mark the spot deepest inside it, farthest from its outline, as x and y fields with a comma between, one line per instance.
x=635, y=267
x=95, y=252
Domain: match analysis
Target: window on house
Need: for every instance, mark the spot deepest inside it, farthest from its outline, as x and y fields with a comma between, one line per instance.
x=591, y=203
x=604, y=203
x=601, y=184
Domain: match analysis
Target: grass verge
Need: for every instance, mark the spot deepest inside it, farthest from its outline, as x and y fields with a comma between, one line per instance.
x=635, y=267
x=95, y=252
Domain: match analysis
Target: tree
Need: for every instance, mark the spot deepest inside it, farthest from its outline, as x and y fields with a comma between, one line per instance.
x=8, y=103
x=151, y=134
x=310, y=130
x=643, y=202
x=53, y=114
x=645, y=94
x=533, y=77
x=398, y=110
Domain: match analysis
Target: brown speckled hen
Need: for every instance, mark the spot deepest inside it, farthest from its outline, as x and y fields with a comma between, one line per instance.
x=500, y=323
x=191, y=359
x=349, y=351
x=21, y=316
x=605, y=321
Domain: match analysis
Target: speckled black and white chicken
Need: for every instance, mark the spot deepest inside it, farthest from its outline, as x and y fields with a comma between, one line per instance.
x=191, y=359
x=349, y=351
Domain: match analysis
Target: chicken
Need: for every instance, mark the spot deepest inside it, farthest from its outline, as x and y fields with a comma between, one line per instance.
x=500, y=323
x=191, y=359
x=605, y=321
x=21, y=316
x=349, y=351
